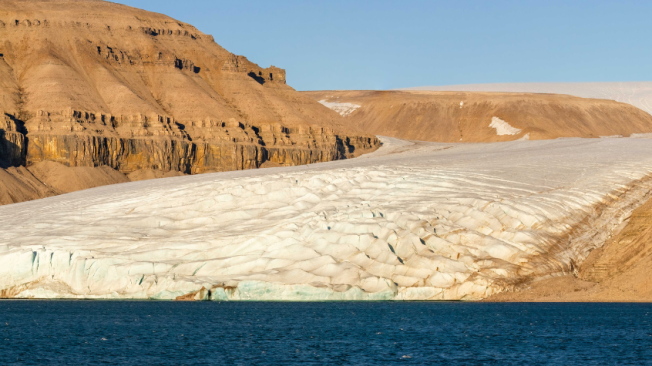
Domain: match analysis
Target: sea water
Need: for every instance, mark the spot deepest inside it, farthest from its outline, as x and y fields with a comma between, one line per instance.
x=285, y=333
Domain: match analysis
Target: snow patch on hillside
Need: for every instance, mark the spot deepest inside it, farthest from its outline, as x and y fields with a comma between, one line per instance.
x=344, y=109
x=503, y=128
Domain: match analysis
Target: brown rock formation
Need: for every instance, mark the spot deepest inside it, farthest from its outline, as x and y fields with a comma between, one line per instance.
x=12, y=142
x=89, y=83
x=466, y=116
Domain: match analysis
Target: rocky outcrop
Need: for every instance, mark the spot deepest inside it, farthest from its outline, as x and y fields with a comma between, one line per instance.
x=90, y=83
x=76, y=138
x=12, y=143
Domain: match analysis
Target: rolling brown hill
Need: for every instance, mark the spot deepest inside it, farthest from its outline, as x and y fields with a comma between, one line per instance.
x=469, y=116
x=89, y=83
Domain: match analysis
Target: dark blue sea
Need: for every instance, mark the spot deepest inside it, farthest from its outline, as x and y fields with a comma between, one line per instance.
x=339, y=333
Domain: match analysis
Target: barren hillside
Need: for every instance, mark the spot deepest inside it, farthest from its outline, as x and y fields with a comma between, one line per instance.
x=482, y=116
x=92, y=83
x=48, y=178
x=636, y=93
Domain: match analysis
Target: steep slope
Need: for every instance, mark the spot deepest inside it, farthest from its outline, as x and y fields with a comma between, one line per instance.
x=422, y=221
x=618, y=271
x=17, y=184
x=65, y=179
x=631, y=248
x=636, y=93
x=48, y=178
x=483, y=117
x=90, y=83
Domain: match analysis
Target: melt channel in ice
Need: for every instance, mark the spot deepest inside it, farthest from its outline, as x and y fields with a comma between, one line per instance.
x=410, y=221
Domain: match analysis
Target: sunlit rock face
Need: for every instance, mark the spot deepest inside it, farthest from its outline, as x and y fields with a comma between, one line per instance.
x=408, y=222
x=91, y=83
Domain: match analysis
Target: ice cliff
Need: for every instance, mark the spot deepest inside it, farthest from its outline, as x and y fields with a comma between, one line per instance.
x=409, y=221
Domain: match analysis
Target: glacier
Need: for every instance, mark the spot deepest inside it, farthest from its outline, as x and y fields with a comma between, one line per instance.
x=411, y=221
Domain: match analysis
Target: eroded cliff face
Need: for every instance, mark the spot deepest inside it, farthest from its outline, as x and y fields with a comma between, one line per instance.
x=137, y=142
x=12, y=143
x=77, y=138
x=90, y=83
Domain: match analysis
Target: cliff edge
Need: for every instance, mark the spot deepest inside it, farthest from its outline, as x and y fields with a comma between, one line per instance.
x=89, y=83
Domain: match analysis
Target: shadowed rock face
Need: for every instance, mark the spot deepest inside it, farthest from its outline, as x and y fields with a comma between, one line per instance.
x=12, y=144
x=90, y=83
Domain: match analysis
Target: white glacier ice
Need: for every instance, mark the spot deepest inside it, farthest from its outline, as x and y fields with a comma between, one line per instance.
x=409, y=221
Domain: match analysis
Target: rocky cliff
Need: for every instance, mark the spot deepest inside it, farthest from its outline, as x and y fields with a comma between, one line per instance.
x=90, y=83
x=12, y=142
x=130, y=143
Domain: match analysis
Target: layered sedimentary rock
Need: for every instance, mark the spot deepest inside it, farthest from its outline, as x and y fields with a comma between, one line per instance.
x=13, y=147
x=156, y=142
x=483, y=117
x=91, y=83
x=422, y=221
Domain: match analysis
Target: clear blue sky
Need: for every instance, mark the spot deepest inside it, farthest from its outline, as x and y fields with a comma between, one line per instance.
x=360, y=44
